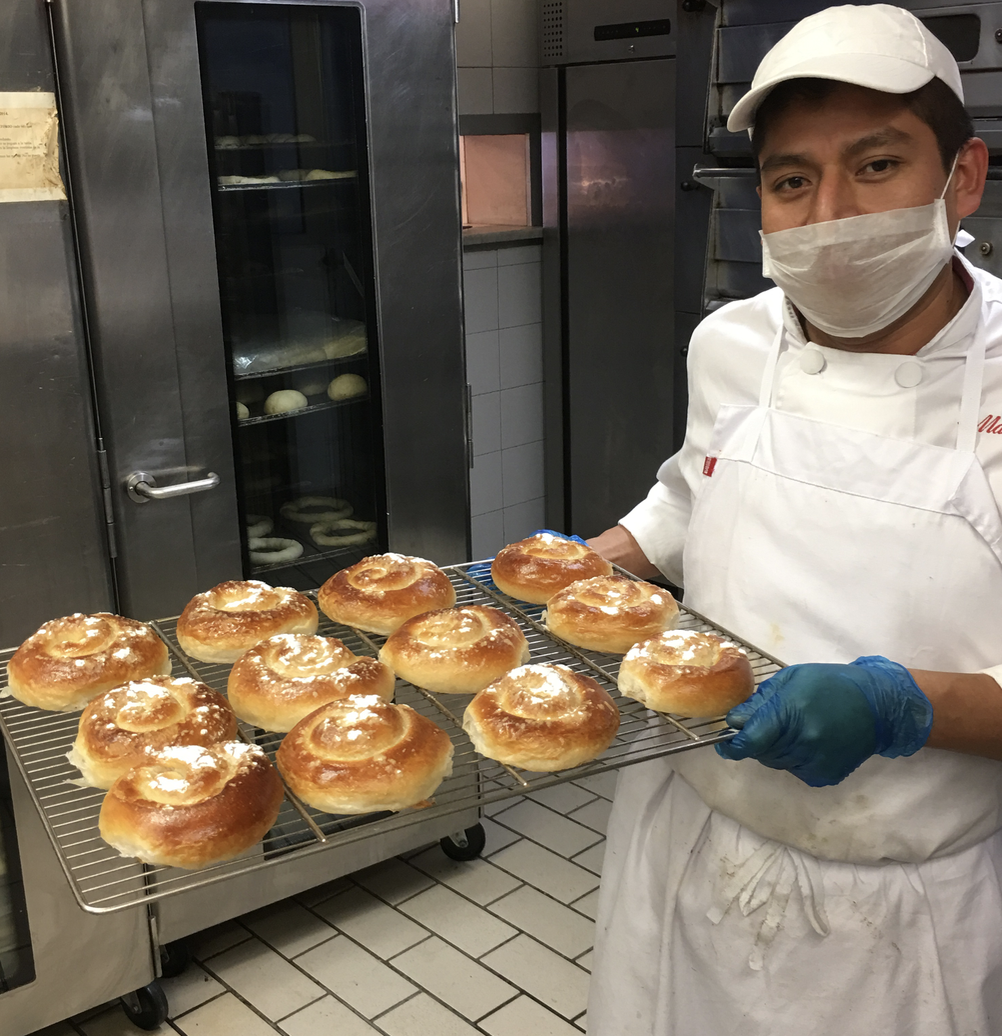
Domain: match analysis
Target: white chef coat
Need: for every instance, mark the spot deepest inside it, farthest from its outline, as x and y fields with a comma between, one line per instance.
x=676, y=869
x=727, y=354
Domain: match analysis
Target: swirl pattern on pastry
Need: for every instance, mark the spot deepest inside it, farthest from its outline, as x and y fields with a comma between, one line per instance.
x=224, y=622
x=69, y=661
x=381, y=592
x=543, y=718
x=534, y=569
x=122, y=727
x=456, y=650
x=361, y=754
x=284, y=678
x=687, y=673
x=191, y=806
x=610, y=613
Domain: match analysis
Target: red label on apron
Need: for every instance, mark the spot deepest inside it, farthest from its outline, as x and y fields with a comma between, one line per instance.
x=708, y=465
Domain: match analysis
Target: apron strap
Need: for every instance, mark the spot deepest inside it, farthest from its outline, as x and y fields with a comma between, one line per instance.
x=970, y=400
x=769, y=374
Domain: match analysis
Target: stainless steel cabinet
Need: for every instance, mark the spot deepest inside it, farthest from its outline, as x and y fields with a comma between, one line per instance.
x=608, y=214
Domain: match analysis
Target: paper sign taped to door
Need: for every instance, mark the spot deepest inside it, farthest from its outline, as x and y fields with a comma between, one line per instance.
x=29, y=148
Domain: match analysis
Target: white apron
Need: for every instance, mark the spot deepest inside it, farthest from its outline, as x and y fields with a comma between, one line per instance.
x=754, y=904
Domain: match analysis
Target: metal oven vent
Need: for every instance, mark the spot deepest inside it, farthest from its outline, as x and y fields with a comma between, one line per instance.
x=553, y=28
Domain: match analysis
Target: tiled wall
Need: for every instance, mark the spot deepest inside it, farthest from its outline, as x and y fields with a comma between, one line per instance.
x=497, y=54
x=504, y=359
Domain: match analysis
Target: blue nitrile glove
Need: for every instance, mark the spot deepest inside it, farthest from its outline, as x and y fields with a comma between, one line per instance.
x=559, y=535
x=821, y=721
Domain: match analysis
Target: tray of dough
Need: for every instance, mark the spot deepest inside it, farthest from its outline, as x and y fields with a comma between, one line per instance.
x=103, y=881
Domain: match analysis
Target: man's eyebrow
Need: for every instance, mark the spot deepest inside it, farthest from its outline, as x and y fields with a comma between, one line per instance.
x=888, y=136
x=781, y=161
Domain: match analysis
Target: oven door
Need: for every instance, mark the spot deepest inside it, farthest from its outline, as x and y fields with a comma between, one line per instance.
x=267, y=206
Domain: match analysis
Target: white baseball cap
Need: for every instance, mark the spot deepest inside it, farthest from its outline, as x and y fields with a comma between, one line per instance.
x=878, y=46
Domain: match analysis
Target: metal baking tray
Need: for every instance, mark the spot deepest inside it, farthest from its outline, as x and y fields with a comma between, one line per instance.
x=104, y=881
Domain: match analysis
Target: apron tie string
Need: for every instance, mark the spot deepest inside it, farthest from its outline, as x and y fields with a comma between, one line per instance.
x=767, y=879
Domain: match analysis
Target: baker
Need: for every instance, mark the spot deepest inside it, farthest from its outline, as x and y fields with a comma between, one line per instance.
x=837, y=867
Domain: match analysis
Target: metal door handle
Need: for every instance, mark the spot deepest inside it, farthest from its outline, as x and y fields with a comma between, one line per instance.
x=142, y=487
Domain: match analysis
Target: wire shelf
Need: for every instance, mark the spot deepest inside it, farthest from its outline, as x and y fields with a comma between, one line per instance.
x=104, y=881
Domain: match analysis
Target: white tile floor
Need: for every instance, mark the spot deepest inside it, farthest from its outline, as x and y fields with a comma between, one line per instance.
x=420, y=945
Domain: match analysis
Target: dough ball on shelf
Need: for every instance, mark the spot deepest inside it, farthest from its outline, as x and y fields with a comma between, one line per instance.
x=242, y=412
x=346, y=386
x=329, y=174
x=284, y=400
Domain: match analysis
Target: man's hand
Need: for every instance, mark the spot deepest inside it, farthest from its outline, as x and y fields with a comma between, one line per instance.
x=821, y=721
x=618, y=546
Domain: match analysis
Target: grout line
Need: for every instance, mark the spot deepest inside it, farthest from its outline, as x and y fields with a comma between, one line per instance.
x=323, y=996
x=245, y=1002
x=549, y=849
x=215, y=996
x=563, y=816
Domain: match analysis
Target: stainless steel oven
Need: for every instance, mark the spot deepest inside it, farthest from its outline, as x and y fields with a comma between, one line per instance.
x=265, y=200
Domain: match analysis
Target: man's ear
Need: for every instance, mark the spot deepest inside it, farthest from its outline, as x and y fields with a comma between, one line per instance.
x=969, y=177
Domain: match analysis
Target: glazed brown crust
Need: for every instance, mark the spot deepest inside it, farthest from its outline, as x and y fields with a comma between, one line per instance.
x=224, y=805
x=286, y=677
x=69, y=661
x=610, y=613
x=456, y=650
x=224, y=622
x=381, y=592
x=362, y=754
x=543, y=718
x=123, y=727
x=687, y=673
x=536, y=568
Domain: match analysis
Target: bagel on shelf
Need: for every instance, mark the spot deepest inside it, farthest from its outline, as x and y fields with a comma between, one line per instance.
x=361, y=754
x=286, y=677
x=270, y=550
x=534, y=569
x=224, y=622
x=379, y=593
x=192, y=806
x=121, y=728
x=688, y=673
x=542, y=718
x=69, y=661
x=342, y=532
x=456, y=650
x=310, y=509
x=609, y=613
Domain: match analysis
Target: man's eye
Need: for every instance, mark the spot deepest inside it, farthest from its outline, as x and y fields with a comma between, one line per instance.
x=791, y=183
x=879, y=165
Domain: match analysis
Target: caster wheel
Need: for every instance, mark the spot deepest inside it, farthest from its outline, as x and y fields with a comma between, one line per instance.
x=146, y=1008
x=174, y=958
x=465, y=845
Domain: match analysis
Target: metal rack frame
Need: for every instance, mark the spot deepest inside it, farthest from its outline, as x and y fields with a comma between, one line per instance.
x=103, y=881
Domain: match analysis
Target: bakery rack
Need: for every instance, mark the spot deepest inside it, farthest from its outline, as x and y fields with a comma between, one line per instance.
x=103, y=881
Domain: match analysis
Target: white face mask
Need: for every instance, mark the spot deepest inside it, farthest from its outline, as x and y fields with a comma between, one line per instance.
x=855, y=276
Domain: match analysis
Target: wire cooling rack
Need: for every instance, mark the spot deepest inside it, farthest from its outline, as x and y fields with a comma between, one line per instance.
x=103, y=881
